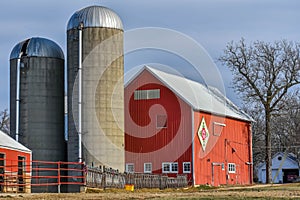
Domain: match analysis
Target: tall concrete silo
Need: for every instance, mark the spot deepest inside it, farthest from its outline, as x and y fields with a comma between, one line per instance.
x=95, y=88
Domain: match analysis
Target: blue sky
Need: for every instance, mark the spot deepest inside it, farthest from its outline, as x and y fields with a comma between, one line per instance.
x=212, y=23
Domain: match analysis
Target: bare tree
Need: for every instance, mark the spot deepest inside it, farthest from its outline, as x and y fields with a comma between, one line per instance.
x=4, y=121
x=264, y=73
x=286, y=126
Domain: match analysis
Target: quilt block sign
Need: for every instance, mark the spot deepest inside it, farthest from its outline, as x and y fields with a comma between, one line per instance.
x=203, y=134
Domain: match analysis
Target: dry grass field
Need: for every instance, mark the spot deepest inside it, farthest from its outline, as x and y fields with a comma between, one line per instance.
x=284, y=191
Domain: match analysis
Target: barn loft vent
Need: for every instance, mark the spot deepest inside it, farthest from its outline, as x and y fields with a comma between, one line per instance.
x=146, y=94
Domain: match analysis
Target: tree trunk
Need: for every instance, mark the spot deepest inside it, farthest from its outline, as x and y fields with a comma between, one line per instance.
x=268, y=148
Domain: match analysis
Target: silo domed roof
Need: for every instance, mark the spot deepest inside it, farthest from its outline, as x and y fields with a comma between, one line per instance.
x=95, y=16
x=39, y=47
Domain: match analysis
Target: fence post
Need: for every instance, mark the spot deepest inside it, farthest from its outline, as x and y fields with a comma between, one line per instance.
x=58, y=177
x=104, y=180
x=160, y=182
x=84, y=173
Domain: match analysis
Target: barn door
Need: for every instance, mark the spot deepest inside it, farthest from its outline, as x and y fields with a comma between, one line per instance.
x=216, y=178
x=21, y=173
x=2, y=171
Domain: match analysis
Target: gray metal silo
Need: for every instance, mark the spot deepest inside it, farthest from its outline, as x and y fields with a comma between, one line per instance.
x=95, y=88
x=37, y=98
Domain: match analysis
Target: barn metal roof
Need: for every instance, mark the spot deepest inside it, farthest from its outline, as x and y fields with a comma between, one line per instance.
x=198, y=96
x=95, y=16
x=9, y=143
x=39, y=47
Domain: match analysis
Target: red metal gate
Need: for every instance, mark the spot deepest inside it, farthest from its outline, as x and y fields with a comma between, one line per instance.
x=18, y=176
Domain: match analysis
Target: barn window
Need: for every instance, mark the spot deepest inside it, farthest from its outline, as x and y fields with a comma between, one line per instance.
x=174, y=167
x=147, y=167
x=153, y=94
x=161, y=121
x=166, y=167
x=129, y=168
x=223, y=167
x=170, y=167
x=140, y=94
x=186, y=167
x=231, y=168
x=146, y=94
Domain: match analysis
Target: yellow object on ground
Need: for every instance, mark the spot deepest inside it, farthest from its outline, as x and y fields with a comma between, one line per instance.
x=129, y=187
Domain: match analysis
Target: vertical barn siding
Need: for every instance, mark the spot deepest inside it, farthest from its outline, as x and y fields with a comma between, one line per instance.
x=143, y=141
x=236, y=150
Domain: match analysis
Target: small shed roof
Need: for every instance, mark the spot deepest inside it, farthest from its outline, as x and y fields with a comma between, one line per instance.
x=9, y=143
x=289, y=162
x=198, y=96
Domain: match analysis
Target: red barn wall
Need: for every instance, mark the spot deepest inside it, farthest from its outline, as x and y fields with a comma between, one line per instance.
x=233, y=145
x=144, y=142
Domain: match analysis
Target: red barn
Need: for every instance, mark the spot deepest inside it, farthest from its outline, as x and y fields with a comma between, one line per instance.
x=15, y=162
x=174, y=125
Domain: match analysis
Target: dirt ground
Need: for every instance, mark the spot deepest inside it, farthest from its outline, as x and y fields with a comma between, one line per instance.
x=284, y=191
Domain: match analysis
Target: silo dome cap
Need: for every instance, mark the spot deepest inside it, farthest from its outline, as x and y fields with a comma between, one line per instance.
x=37, y=47
x=95, y=16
